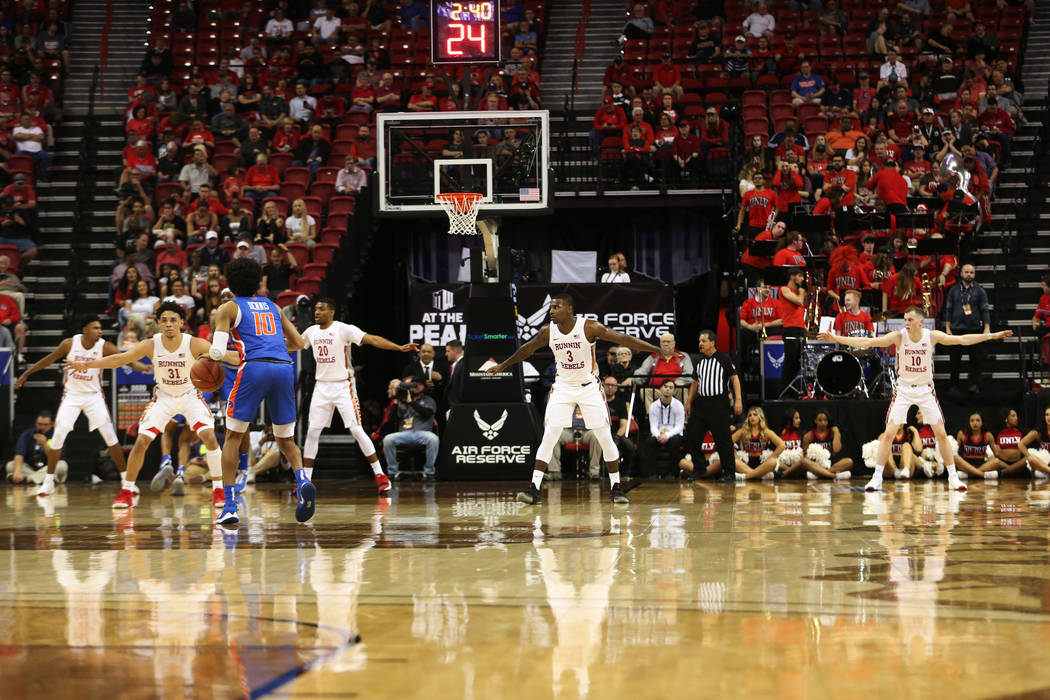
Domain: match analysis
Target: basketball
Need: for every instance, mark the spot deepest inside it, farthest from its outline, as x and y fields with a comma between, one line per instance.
x=207, y=374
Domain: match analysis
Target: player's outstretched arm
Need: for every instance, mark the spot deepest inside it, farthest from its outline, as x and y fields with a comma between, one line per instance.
x=942, y=338
x=882, y=341
x=384, y=344
x=61, y=351
x=200, y=346
x=220, y=335
x=596, y=330
x=135, y=352
x=538, y=341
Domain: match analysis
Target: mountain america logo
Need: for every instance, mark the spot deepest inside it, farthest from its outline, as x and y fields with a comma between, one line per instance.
x=529, y=327
x=490, y=431
x=443, y=300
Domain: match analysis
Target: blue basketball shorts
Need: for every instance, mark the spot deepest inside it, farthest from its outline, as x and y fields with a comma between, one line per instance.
x=258, y=381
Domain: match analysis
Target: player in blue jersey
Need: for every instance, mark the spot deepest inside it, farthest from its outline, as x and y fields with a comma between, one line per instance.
x=263, y=338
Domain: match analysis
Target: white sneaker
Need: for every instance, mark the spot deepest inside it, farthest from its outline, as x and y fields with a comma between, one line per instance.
x=904, y=474
x=962, y=475
x=938, y=469
x=46, y=488
x=956, y=484
x=768, y=476
x=927, y=469
x=740, y=476
x=1040, y=475
x=991, y=476
x=875, y=484
x=843, y=476
x=811, y=475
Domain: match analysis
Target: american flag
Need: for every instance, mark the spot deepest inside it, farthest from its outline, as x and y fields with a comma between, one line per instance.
x=529, y=194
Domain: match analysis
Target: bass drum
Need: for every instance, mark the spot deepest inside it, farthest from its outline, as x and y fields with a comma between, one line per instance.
x=839, y=374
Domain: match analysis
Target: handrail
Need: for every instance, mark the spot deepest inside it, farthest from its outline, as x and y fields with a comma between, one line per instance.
x=103, y=47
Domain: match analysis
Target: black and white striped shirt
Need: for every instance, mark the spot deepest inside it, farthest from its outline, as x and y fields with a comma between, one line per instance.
x=712, y=375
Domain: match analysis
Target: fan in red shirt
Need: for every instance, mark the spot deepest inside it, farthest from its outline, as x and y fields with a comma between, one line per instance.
x=790, y=252
x=758, y=206
x=141, y=124
x=667, y=77
x=918, y=166
x=753, y=264
x=11, y=318
x=902, y=289
x=714, y=133
x=891, y=187
x=789, y=145
x=1041, y=322
x=997, y=125
x=609, y=121
x=844, y=272
x=838, y=175
x=759, y=317
x=901, y=122
x=788, y=184
x=853, y=321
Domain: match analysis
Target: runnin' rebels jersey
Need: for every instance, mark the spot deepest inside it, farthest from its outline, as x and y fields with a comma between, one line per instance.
x=791, y=438
x=86, y=382
x=573, y=354
x=171, y=369
x=915, y=359
x=898, y=442
x=974, y=448
x=708, y=444
x=331, y=348
x=1009, y=439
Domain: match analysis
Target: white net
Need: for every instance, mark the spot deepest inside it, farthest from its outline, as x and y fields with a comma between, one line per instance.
x=462, y=210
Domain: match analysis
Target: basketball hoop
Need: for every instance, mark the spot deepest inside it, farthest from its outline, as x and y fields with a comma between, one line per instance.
x=462, y=210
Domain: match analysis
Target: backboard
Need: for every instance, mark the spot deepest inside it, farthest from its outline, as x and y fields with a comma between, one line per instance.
x=504, y=155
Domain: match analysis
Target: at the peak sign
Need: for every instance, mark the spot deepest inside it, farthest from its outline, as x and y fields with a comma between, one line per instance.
x=465, y=32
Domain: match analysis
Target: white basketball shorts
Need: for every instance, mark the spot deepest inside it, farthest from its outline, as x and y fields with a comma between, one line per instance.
x=164, y=407
x=329, y=396
x=564, y=398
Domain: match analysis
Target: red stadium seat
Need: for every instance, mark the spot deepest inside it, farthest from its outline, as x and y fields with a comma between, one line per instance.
x=281, y=161
x=16, y=257
x=287, y=298
x=332, y=236
x=327, y=175
x=322, y=190
x=301, y=251
x=340, y=205
x=164, y=190
x=298, y=175
x=313, y=206
x=324, y=253
x=309, y=287
x=314, y=270
x=292, y=190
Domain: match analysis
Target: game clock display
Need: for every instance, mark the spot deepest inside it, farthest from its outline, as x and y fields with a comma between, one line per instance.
x=464, y=32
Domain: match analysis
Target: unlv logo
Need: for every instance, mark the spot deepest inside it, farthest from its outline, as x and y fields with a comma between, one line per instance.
x=490, y=431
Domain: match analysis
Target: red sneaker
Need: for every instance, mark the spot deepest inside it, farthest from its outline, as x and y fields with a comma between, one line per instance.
x=218, y=497
x=383, y=483
x=124, y=499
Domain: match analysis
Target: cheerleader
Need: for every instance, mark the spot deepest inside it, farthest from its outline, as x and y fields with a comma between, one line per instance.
x=903, y=450
x=1011, y=455
x=714, y=466
x=759, y=446
x=790, y=462
x=1038, y=444
x=972, y=457
x=828, y=437
x=927, y=456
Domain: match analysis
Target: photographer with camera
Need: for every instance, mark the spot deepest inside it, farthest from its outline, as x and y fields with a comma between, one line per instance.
x=29, y=463
x=412, y=420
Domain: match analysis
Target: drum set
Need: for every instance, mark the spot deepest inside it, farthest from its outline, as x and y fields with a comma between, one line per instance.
x=845, y=372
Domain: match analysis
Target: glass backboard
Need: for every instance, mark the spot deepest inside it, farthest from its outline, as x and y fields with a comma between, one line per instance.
x=503, y=155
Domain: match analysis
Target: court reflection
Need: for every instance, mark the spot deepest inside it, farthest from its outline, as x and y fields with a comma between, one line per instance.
x=457, y=590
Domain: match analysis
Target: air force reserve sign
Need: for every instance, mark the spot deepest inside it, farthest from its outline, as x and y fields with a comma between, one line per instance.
x=496, y=442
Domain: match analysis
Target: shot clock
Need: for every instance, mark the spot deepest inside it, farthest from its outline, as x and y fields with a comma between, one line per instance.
x=465, y=32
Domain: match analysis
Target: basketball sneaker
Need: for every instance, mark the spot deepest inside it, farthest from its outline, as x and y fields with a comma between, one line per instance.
x=304, y=509
x=218, y=497
x=241, y=481
x=178, y=487
x=875, y=484
x=530, y=496
x=843, y=476
x=617, y=495
x=124, y=499
x=164, y=476
x=228, y=516
x=46, y=488
x=383, y=484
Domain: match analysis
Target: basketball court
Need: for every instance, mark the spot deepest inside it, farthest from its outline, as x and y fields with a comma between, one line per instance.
x=457, y=591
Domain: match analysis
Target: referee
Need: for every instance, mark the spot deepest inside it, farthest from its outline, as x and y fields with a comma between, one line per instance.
x=711, y=376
